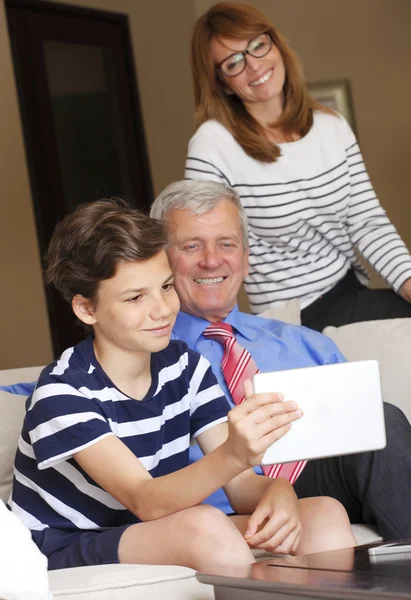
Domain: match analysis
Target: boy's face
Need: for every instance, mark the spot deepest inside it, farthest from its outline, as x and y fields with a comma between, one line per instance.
x=135, y=310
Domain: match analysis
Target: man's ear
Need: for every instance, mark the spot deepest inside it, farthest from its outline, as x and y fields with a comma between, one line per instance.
x=83, y=309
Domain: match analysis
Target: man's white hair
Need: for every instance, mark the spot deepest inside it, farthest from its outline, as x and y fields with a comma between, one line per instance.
x=198, y=197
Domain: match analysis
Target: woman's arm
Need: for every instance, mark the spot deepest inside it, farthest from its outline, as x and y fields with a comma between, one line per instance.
x=370, y=229
x=252, y=427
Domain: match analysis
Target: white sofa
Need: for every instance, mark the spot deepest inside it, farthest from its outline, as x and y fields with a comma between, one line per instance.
x=387, y=341
x=108, y=582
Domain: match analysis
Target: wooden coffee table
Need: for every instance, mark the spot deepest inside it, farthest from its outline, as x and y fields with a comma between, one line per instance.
x=350, y=574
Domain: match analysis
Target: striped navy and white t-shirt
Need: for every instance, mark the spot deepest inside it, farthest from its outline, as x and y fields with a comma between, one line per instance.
x=307, y=211
x=75, y=405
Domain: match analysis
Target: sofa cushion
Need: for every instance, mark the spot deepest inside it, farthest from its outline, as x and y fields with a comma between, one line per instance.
x=387, y=341
x=365, y=534
x=288, y=311
x=128, y=582
x=12, y=410
x=10, y=376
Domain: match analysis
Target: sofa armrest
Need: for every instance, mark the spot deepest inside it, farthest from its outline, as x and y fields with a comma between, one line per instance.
x=22, y=375
x=389, y=342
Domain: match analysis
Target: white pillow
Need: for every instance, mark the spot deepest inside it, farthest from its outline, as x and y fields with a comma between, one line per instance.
x=23, y=568
x=389, y=342
x=288, y=311
x=12, y=411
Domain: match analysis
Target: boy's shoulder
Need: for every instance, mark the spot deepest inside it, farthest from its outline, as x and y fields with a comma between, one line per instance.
x=74, y=367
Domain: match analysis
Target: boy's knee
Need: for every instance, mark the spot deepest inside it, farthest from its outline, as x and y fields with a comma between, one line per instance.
x=331, y=507
x=330, y=512
x=219, y=536
x=209, y=521
x=326, y=526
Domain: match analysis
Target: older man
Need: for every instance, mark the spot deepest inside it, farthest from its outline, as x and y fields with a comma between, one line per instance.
x=208, y=254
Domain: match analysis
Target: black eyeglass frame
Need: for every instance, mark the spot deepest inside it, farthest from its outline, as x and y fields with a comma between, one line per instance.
x=244, y=53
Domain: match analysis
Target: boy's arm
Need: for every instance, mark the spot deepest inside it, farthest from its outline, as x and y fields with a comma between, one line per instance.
x=246, y=489
x=274, y=524
x=272, y=504
x=252, y=427
x=243, y=491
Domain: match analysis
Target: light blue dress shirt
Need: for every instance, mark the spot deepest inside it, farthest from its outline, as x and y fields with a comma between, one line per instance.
x=274, y=346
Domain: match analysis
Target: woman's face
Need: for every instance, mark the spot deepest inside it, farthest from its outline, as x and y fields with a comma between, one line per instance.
x=262, y=81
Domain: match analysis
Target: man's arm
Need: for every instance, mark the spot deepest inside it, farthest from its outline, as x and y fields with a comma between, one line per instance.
x=252, y=427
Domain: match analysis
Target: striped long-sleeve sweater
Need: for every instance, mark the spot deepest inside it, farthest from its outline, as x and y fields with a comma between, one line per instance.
x=308, y=212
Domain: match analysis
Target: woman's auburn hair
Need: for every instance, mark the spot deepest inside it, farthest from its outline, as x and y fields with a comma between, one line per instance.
x=244, y=22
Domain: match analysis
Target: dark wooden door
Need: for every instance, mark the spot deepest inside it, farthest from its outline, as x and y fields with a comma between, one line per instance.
x=81, y=120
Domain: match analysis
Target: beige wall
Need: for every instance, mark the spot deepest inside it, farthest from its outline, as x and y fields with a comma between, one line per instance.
x=366, y=41
x=24, y=334
x=160, y=32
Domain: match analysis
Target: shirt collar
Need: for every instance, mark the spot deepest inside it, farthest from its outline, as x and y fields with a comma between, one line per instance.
x=190, y=328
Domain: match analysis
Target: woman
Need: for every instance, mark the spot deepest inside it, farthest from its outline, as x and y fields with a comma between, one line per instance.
x=299, y=172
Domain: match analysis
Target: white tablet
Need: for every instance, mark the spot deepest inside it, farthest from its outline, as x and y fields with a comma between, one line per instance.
x=343, y=410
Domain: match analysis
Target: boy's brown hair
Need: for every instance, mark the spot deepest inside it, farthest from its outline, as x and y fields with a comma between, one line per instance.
x=88, y=244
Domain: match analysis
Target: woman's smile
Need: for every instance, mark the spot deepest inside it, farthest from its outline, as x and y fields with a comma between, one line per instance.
x=265, y=77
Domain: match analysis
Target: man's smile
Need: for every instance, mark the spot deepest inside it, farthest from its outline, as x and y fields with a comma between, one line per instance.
x=209, y=280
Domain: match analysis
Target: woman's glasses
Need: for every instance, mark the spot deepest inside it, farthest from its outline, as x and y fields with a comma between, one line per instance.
x=235, y=64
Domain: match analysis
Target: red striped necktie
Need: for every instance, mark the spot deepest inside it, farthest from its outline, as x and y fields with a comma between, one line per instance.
x=237, y=366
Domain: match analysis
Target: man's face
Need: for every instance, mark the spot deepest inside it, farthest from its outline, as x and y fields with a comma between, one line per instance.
x=208, y=259
x=135, y=310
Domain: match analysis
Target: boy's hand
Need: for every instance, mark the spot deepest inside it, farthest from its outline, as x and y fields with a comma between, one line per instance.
x=275, y=525
x=255, y=424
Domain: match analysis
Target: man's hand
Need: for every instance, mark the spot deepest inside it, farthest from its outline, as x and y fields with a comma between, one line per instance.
x=256, y=423
x=275, y=524
x=405, y=290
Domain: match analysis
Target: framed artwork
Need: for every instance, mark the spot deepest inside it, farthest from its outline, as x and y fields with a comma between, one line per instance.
x=335, y=95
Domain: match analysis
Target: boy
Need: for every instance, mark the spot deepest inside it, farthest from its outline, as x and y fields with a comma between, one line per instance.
x=101, y=473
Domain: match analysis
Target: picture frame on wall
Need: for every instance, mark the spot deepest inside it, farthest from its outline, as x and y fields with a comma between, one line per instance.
x=335, y=95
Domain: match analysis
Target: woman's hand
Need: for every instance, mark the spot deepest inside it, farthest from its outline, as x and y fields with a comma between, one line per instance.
x=256, y=423
x=275, y=524
x=405, y=290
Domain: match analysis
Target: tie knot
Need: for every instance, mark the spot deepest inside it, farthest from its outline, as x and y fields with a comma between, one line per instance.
x=220, y=332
